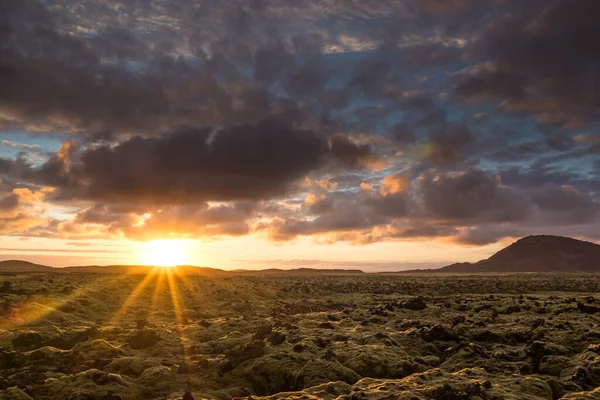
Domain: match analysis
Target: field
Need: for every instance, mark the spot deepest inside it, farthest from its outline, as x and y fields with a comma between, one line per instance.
x=169, y=336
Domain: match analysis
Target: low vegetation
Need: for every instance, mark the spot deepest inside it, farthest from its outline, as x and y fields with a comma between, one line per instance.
x=164, y=336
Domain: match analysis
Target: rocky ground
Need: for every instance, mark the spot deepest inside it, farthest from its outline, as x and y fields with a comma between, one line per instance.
x=164, y=336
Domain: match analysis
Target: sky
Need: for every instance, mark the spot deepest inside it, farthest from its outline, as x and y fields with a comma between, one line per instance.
x=381, y=135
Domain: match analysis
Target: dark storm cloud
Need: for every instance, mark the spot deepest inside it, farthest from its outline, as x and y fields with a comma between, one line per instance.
x=243, y=162
x=347, y=216
x=113, y=82
x=545, y=64
x=352, y=120
x=432, y=55
x=375, y=78
x=390, y=206
x=486, y=85
x=516, y=152
x=403, y=134
x=5, y=165
x=471, y=195
x=350, y=154
x=472, y=205
x=106, y=71
x=566, y=204
x=447, y=143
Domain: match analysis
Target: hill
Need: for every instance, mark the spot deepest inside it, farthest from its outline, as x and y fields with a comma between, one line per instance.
x=22, y=266
x=298, y=271
x=141, y=269
x=543, y=253
x=17, y=266
x=205, y=271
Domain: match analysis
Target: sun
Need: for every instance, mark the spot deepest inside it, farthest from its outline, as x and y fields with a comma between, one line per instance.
x=165, y=253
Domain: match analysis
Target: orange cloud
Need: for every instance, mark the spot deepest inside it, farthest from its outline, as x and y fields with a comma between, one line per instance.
x=394, y=183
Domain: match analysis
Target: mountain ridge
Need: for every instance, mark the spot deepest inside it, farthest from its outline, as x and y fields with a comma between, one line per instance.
x=25, y=266
x=539, y=253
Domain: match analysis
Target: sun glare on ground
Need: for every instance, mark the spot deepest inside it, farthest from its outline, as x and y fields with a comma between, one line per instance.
x=165, y=253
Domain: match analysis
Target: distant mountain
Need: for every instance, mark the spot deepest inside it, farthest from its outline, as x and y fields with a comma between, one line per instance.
x=542, y=253
x=141, y=269
x=298, y=271
x=22, y=266
x=205, y=271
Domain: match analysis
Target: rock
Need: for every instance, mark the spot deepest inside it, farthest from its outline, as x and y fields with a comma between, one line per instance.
x=3, y=383
x=130, y=366
x=587, y=309
x=463, y=355
x=27, y=340
x=578, y=375
x=69, y=339
x=263, y=332
x=538, y=322
x=204, y=323
x=319, y=371
x=298, y=348
x=276, y=338
x=525, y=369
x=92, y=350
x=11, y=359
x=101, y=378
x=537, y=351
x=326, y=325
x=187, y=368
x=141, y=323
x=329, y=355
x=143, y=339
x=512, y=309
x=14, y=393
x=415, y=304
x=447, y=392
x=439, y=333
x=247, y=352
x=321, y=342
x=274, y=373
x=595, y=347
x=253, y=350
x=156, y=377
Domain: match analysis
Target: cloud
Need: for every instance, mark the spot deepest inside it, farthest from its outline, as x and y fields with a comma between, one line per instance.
x=346, y=216
x=542, y=63
x=22, y=146
x=565, y=204
x=393, y=184
x=470, y=195
x=9, y=202
x=243, y=162
x=355, y=121
x=147, y=223
x=446, y=143
x=350, y=154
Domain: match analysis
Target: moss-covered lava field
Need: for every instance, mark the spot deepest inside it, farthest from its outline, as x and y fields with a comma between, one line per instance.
x=168, y=336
